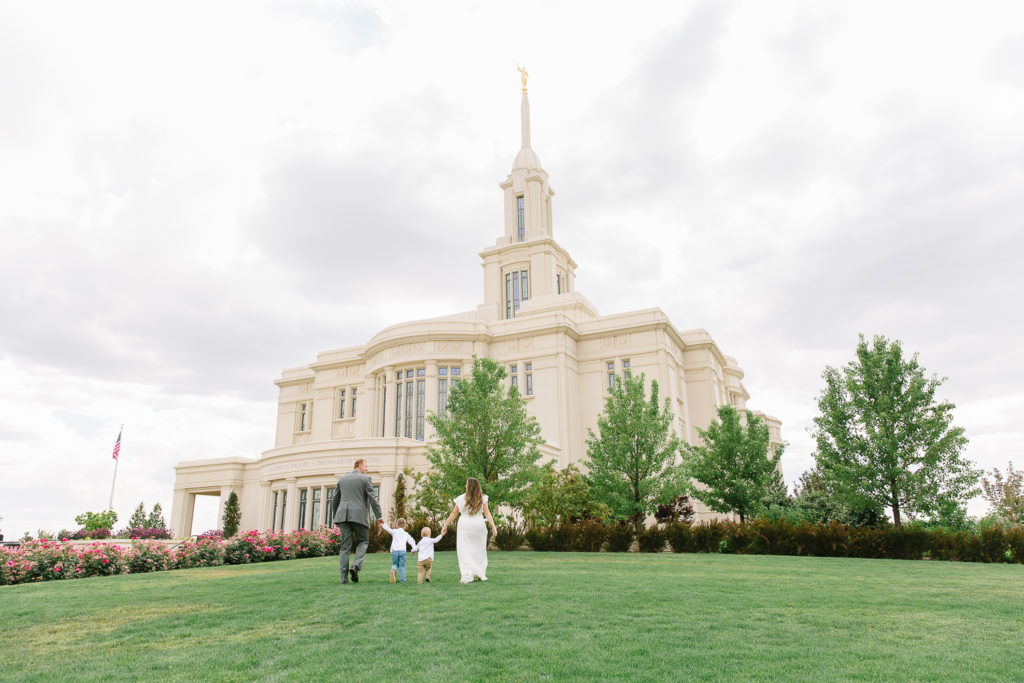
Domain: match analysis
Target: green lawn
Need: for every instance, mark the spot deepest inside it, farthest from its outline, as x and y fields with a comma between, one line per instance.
x=551, y=616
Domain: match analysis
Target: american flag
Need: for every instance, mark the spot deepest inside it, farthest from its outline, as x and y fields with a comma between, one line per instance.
x=117, y=446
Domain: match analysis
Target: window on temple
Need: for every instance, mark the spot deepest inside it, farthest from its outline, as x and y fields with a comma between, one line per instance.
x=626, y=372
x=521, y=216
x=513, y=373
x=302, y=508
x=446, y=378
x=611, y=375
x=303, y=417
x=273, y=517
x=341, y=404
x=529, y=378
x=407, y=382
x=354, y=397
x=517, y=290
x=315, y=516
x=284, y=500
x=421, y=389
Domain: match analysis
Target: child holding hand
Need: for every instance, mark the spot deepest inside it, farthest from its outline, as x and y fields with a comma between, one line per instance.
x=399, y=538
x=426, y=550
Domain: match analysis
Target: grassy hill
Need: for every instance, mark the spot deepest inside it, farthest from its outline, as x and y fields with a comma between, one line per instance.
x=553, y=616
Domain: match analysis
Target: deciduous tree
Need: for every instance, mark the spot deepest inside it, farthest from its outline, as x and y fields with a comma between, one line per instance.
x=631, y=459
x=484, y=433
x=735, y=463
x=883, y=440
x=1005, y=493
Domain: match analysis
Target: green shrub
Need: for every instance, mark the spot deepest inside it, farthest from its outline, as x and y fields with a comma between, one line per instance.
x=708, y=536
x=589, y=536
x=1015, y=544
x=992, y=544
x=680, y=537
x=620, y=538
x=738, y=538
x=772, y=536
x=907, y=542
x=651, y=540
x=510, y=536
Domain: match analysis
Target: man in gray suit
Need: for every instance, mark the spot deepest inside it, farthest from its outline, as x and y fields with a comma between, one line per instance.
x=354, y=498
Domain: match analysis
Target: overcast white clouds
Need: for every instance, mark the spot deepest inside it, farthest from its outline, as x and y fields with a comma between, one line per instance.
x=181, y=190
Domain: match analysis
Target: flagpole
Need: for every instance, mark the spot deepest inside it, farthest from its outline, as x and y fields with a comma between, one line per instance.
x=117, y=459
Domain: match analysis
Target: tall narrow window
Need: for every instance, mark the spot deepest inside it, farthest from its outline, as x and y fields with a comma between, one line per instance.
x=517, y=289
x=408, y=404
x=303, y=421
x=421, y=385
x=354, y=392
x=513, y=373
x=398, y=405
x=341, y=404
x=383, y=407
x=284, y=500
x=626, y=372
x=302, y=508
x=521, y=215
x=329, y=509
x=558, y=283
x=442, y=390
x=315, y=516
x=529, y=379
x=611, y=375
x=273, y=517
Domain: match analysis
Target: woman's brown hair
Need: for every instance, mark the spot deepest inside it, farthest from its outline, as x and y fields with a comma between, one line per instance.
x=474, y=496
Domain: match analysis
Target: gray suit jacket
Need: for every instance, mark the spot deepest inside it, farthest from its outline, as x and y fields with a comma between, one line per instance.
x=354, y=495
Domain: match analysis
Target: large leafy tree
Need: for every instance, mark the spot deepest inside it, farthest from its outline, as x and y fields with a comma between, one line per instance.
x=884, y=441
x=561, y=496
x=1005, y=493
x=484, y=433
x=735, y=464
x=631, y=460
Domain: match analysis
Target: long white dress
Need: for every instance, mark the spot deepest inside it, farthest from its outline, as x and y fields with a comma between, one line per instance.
x=471, y=542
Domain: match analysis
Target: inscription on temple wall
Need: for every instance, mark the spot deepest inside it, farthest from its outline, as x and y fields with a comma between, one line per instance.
x=332, y=464
x=447, y=346
x=519, y=344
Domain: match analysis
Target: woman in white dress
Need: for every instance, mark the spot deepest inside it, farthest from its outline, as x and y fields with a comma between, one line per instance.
x=471, y=539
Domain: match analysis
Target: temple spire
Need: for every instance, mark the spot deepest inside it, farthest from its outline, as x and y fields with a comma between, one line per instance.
x=526, y=120
x=526, y=158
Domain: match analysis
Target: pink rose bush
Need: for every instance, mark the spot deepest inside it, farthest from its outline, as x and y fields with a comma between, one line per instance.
x=47, y=560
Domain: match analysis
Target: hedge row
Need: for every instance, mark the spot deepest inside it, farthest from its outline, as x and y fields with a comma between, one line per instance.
x=45, y=560
x=780, y=537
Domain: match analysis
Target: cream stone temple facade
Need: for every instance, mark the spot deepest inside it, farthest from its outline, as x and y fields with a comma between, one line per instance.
x=371, y=401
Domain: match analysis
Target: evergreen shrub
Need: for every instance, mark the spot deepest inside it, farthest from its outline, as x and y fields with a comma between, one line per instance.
x=651, y=540
x=620, y=538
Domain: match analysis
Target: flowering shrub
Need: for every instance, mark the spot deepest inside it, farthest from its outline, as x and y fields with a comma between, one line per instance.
x=205, y=552
x=147, y=556
x=213, y=533
x=144, y=533
x=102, y=559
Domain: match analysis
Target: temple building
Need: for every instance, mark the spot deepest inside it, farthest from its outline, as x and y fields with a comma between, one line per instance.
x=371, y=401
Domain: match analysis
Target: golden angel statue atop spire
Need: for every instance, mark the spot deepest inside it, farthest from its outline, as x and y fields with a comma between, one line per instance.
x=523, y=74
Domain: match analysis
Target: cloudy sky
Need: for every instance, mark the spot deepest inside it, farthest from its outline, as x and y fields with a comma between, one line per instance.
x=194, y=196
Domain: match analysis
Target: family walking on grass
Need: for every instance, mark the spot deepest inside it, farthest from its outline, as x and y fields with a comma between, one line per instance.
x=354, y=495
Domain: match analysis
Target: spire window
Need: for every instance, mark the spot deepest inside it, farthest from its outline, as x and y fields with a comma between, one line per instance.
x=517, y=290
x=521, y=214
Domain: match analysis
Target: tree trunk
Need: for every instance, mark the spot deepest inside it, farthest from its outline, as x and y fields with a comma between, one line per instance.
x=896, y=509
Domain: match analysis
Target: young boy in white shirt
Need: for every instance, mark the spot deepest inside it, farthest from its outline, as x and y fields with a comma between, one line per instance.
x=426, y=550
x=399, y=537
